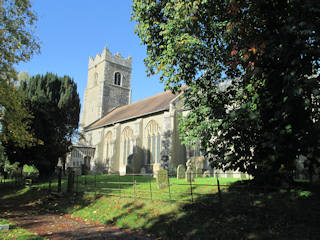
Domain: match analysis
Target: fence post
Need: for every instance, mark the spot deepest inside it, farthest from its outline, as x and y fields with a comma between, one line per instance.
x=77, y=183
x=169, y=187
x=119, y=185
x=95, y=186
x=150, y=189
x=135, y=189
x=85, y=183
x=191, y=187
x=49, y=184
x=219, y=191
x=59, y=179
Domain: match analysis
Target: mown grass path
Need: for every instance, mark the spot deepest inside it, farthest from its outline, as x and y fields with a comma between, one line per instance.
x=46, y=224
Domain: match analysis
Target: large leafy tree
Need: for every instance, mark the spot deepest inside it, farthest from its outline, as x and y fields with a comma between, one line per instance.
x=55, y=104
x=17, y=43
x=252, y=70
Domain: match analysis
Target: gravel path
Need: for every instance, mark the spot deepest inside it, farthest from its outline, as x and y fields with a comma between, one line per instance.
x=55, y=226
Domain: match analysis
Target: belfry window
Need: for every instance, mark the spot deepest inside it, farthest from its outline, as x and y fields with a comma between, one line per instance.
x=117, y=78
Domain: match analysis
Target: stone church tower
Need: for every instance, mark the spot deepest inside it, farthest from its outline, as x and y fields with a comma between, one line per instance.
x=108, y=86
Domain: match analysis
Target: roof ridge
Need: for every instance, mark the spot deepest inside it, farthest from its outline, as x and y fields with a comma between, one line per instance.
x=153, y=104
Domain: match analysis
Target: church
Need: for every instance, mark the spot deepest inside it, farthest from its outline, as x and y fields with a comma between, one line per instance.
x=139, y=137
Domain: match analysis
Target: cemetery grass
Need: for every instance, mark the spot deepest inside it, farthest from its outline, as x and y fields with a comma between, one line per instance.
x=240, y=213
x=15, y=232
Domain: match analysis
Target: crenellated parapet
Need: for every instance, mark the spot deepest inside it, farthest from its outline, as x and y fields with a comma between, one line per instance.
x=106, y=55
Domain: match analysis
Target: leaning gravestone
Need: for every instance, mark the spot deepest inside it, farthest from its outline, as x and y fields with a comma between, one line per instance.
x=198, y=172
x=206, y=173
x=199, y=162
x=162, y=178
x=189, y=175
x=180, y=171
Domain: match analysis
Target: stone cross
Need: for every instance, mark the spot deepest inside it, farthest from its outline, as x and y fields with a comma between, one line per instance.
x=180, y=171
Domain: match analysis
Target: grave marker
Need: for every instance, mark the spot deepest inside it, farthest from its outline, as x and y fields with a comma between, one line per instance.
x=162, y=178
x=181, y=172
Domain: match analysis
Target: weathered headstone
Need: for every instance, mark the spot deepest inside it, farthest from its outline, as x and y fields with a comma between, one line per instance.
x=199, y=162
x=198, y=172
x=191, y=164
x=206, y=173
x=229, y=174
x=4, y=227
x=181, y=172
x=189, y=175
x=143, y=171
x=243, y=175
x=162, y=178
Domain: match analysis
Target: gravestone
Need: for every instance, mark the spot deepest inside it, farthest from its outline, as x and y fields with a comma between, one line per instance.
x=198, y=172
x=181, y=172
x=229, y=174
x=162, y=178
x=4, y=227
x=191, y=164
x=143, y=171
x=199, y=162
x=189, y=175
x=206, y=173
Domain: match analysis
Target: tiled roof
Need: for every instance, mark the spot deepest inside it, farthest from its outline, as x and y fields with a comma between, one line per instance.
x=153, y=104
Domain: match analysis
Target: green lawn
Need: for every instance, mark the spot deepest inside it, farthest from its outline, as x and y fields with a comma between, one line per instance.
x=144, y=187
x=241, y=214
x=238, y=213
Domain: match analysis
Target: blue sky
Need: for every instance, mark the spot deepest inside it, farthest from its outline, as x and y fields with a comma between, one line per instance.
x=72, y=30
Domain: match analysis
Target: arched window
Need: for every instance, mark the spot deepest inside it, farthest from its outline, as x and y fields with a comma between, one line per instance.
x=153, y=142
x=117, y=78
x=127, y=144
x=108, y=149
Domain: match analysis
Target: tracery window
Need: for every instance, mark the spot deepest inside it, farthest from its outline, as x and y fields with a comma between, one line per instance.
x=153, y=142
x=87, y=160
x=127, y=145
x=117, y=78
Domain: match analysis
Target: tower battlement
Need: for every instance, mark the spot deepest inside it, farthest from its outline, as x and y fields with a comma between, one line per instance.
x=108, y=85
x=106, y=55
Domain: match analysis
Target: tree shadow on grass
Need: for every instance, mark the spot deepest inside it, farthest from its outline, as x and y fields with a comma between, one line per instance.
x=244, y=214
x=39, y=201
